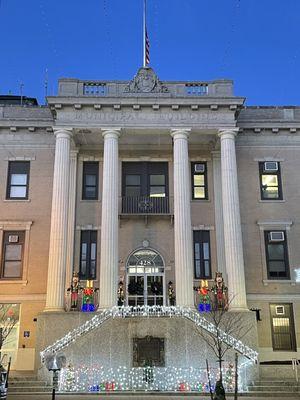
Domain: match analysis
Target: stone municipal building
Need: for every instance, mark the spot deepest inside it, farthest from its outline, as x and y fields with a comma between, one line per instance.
x=148, y=182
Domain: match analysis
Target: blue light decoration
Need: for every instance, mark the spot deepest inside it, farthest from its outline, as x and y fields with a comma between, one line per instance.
x=88, y=298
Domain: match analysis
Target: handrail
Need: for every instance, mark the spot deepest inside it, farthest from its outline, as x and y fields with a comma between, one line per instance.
x=149, y=311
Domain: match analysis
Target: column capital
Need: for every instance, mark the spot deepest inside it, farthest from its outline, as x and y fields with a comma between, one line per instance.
x=180, y=133
x=63, y=132
x=111, y=132
x=228, y=133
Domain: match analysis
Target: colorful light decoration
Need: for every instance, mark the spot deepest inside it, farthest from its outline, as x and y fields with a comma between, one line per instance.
x=165, y=379
x=149, y=311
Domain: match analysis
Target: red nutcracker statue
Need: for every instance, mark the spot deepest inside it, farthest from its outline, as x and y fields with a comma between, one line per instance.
x=74, y=289
x=220, y=293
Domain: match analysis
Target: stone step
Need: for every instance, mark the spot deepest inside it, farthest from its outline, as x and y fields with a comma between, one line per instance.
x=27, y=383
x=29, y=389
x=279, y=389
x=274, y=382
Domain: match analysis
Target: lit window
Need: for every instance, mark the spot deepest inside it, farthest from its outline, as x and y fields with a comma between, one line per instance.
x=270, y=180
x=18, y=180
x=283, y=330
x=199, y=181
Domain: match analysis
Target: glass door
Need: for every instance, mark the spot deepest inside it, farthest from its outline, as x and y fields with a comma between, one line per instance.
x=155, y=292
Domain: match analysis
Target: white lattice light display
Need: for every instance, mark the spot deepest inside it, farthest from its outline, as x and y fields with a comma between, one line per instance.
x=148, y=311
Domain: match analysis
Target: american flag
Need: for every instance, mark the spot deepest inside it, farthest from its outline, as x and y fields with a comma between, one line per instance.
x=147, y=49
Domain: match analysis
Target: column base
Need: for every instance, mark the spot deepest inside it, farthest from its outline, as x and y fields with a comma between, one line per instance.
x=54, y=309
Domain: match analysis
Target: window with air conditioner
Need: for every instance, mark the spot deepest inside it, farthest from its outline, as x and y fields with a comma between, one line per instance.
x=270, y=180
x=199, y=181
x=277, y=255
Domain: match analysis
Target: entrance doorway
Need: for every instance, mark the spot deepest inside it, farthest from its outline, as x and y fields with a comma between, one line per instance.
x=145, y=279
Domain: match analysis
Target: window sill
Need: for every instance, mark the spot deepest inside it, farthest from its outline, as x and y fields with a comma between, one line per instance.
x=17, y=200
x=271, y=201
x=13, y=281
x=266, y=282
x=201, y=201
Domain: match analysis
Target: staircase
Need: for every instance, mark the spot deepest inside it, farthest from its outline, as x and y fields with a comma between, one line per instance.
x=274, y=388
x=22, y=385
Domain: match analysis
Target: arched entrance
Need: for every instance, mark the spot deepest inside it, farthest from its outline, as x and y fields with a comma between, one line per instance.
x=145, y=278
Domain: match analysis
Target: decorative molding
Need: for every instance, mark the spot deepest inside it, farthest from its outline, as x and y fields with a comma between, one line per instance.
x=21, y=158
x=88, y=227
x=18, y=225
x=262, y=159
x=292, y=297
x=266, y=282
x=146, y=81
x=203, y=228
x=16, y=298
x=274, y=224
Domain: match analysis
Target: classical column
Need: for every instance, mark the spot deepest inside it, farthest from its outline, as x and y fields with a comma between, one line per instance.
x=182, y=219
x=71, y=217
x=232, y=221
x=216, y=158
x=59, y=222
x=109, y=225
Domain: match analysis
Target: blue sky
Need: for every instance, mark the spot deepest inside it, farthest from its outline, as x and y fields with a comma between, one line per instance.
x=254, y=42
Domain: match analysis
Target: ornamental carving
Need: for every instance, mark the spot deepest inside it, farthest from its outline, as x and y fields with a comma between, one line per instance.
x=146, y=81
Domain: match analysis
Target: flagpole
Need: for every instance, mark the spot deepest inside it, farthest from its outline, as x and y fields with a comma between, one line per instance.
x=144, y=35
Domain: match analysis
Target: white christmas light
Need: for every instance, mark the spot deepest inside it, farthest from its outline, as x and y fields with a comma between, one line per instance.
x=148, y=311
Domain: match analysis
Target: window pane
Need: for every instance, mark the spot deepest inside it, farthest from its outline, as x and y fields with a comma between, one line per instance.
x=93, y=251
x=199, y=193
x=157, y=179
x=270, y=192
x=18, y=179
x=90, y=192
x=199, y=180
x=18, y=191
x=83, y=251
x=197, y=251
x=83, y=268
x=277, y=266
x=206, y=269
x=276, y=251
x=157, y=191
x=133, y=180
x=13, y=252
x=270, y=180
x=132, y=191
x=90, y=180
x=198, y=271
x=206, y=251
x=12, y=269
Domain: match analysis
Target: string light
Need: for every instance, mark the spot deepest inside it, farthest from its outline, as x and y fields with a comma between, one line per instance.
x=149, y=311
x=164, y=379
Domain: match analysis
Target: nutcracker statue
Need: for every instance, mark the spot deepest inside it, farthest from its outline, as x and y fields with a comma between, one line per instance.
x=204, y=298
x=220, y=293
x=74, y=290
x=121, y=297
x=88, y=304
x=171, y=294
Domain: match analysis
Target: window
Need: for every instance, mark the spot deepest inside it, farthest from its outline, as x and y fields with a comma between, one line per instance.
x=12, y=255
x=18, y=180
x=270, y=180
x=277, y=255
x=90, y=181
x=282, y=324
x=88, y=255
x=202, y=255
x=199, y=181
x=9, y=318
x=145, y=187
x=196, y=89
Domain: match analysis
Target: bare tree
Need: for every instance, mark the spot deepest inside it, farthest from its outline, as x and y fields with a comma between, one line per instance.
x=8, y=319
x=230, y=323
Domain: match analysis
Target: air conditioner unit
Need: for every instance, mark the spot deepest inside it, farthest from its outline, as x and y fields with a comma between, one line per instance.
x=271, y=166
x=200, y=168
x=279, y=310
x=276, y=236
